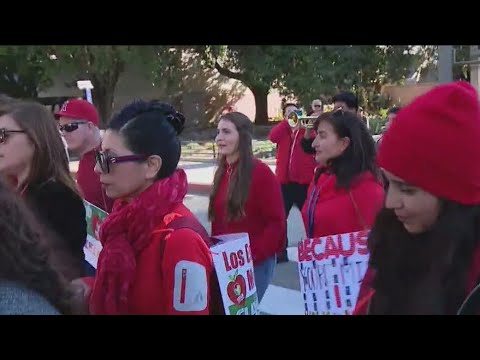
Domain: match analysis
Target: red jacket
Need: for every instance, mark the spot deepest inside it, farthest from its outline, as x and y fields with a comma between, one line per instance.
x=89, y=182
x=367, y=291
x=335, y=211
x=293, y=164
x=265, y=220
x=179, y=284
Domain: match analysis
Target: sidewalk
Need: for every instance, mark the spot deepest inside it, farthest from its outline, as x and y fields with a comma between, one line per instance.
x=199, y=173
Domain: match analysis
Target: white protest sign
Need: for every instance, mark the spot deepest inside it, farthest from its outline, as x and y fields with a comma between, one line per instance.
x=233, y=263
x=331, y=269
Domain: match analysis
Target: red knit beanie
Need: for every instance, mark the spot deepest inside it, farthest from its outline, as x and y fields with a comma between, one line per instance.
x=434, y=143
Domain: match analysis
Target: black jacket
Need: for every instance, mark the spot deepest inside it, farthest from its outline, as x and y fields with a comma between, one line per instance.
x=307, y=146
x=62, y=213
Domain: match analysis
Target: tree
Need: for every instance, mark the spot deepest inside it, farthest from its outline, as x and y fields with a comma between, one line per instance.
x=324, y=70
x=258, y=67
x=102, y=65
x=181, y=76
x=25, y=71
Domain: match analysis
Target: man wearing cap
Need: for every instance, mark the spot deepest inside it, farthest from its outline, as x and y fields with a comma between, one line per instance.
x=78, y=120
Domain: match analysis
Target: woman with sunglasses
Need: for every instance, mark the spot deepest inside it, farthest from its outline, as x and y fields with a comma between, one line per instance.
x=146, y=266
x=33, y=160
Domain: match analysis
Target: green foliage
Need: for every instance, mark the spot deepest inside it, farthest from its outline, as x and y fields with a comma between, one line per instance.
x=25, y=71
x=377, y=125
x=180, y=70
x=321, y=71
x=102, y=65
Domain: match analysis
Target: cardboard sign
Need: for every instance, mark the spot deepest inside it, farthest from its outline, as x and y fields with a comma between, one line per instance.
x=233, y=263
x=331, y=269
x=94, y=216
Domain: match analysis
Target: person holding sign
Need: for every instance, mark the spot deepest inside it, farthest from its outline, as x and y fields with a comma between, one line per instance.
x=341, y=205
x=346, y=192
x=33, y=159
x=246, y=198
x=146, y=267
x=425, y=243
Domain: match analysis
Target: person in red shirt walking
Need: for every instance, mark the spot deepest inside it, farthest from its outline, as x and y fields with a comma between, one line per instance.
x=246, y=197
x=78, y=120
x=425, y=243
x=145, y=266
x=346, y=192
x=294, y=167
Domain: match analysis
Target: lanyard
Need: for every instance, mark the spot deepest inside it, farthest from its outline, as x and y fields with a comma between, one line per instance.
x=312, y=203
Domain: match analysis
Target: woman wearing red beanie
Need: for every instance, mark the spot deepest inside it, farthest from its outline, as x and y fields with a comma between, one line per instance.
x=346, y=193
x=424, y=245
x=246, y=197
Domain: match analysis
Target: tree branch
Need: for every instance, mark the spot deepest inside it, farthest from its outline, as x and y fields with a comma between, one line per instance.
x=228, y=73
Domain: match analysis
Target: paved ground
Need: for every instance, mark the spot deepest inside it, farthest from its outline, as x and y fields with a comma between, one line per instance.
x=283, y=296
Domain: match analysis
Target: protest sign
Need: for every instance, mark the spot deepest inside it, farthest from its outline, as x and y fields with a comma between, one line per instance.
x=331, y=269
x=233, y=263
x=94, y=216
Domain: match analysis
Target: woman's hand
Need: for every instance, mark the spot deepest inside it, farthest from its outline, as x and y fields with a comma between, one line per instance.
x=80, y=297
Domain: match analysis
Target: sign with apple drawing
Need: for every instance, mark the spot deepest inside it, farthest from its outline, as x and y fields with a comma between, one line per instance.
x=94, y=217
x=233, y=262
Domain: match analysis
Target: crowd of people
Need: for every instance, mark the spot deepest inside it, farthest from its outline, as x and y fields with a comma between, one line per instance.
x=417, y=192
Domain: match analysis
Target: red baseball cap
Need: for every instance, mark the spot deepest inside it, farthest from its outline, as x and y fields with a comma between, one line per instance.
x=78, y=109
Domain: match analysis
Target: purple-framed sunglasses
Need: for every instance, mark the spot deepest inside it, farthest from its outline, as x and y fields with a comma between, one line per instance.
x=105, y=160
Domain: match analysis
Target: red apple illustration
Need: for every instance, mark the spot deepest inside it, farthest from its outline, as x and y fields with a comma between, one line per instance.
x=96, y=225
x=237, y=289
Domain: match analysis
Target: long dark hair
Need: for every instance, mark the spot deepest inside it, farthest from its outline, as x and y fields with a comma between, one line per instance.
x=241, y=178
x=358, y=157
x=26, y=255
x=50, y=159
x=426, y=273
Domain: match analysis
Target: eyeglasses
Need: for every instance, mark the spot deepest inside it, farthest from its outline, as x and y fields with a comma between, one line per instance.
x=104, y=160
x=4, y=134
x=72, y=126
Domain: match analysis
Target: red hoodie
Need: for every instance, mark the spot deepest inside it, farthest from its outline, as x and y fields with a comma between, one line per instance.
x=335, y=212
x=265, y=220
x=293, y=164
x=161, y=292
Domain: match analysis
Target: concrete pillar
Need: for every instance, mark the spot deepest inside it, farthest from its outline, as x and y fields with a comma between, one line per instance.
x=445, y=63
x=475, y=68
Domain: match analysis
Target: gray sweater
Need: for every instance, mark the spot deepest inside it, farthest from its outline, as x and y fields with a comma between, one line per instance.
x=16, y=299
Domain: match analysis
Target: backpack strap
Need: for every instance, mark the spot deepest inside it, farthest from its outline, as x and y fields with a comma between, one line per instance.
x=471, y=305
x=186, y=222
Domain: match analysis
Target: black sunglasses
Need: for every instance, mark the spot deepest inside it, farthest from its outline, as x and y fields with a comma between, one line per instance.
x=4, y=134
x=72, y=126
x=104, y=160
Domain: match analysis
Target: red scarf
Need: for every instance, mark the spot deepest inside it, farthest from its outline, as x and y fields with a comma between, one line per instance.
x=124, y=234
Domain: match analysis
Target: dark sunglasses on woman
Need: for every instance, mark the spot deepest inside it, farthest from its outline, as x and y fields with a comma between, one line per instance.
x=4, y=134
x=104, y=160
x=72, y=126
